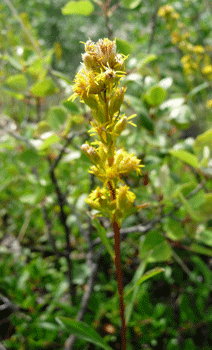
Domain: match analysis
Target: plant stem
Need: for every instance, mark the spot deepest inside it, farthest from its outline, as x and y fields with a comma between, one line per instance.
x=119, y=274
x=116, y=229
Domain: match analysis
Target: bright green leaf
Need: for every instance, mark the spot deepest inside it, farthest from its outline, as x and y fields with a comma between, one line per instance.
x=123, y=46
x=17, y=83
x=84, y=331
x=49, y=141
x=44, y=88
x=155, y=96
x=130, y=4
x=71, y=106
x=186, y=157
x=81, y=7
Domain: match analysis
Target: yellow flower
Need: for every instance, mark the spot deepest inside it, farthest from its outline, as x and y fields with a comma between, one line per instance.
x=198, y=49
x=164, y=10
x=209, y=104
x=207, y=70
x=175, y=37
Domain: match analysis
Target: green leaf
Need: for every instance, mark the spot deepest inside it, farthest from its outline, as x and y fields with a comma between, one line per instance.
x=56, y=117
x=197, y=89
x=156, y=243
x=44, y=88
x=71, y=106
x=83, y=331
x=186, y=157
x=146, y=60
x=17, y=83
x=205, y=237
x=102, y=234
x=146, y=121
x=123, y=46
x=49, y=141
x=130, y=4
x=139, y=272
x=174, y=229
x=155, y=96
x=14, y=62
x=205, y=208
x=145, y=277
x=81, y=7
x=202, y=141
x=193, y=213
x=198, y=248
x=30, y=157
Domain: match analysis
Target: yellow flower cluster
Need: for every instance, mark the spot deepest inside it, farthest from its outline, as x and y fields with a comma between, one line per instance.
x=97, y=85
x=196, y=59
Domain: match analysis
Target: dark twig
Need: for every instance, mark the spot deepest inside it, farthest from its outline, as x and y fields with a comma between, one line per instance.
x=63, y=219
x=153, y=26
x=69, y=344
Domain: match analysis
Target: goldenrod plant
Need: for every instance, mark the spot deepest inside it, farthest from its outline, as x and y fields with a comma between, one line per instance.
x=196, y=59
x=98, y=86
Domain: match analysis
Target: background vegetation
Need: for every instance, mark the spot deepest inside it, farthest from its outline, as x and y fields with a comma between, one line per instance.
x=52, y=262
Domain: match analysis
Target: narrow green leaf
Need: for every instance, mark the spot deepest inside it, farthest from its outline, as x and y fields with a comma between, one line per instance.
x=197, y=89
x=197, y=248
x=102, y=234
x=145, y=277
x=81, y=7
x=185, y=156
x=146, y=60
x=83, y=331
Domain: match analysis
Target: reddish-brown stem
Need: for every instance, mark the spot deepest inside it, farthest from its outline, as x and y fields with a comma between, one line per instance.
x=119, y=277
x=116, y=230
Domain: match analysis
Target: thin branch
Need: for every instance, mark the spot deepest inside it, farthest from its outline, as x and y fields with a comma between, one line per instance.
x=70, y=342
x=24, y=28
x=153, y=26
x=63, y=219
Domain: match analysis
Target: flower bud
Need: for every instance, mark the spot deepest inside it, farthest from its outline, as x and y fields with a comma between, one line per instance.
x=116, y=101
x=91, y=153
x=124, y=198
x=120, y=125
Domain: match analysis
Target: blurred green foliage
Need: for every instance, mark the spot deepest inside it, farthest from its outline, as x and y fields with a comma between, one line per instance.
x=44, y=179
